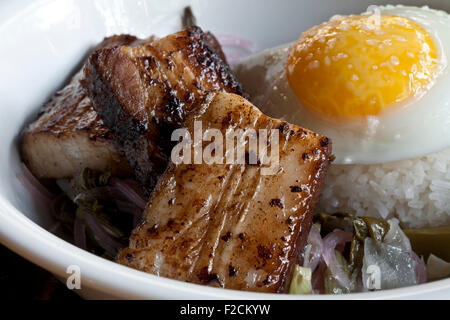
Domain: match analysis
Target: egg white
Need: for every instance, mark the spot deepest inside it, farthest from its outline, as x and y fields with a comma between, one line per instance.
x=420, y=126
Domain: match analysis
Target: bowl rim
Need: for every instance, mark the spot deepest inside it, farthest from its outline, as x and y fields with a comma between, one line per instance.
x=35, y=243
x=47, y=250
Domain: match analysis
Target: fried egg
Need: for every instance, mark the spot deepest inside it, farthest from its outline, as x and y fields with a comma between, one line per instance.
x=377, y=84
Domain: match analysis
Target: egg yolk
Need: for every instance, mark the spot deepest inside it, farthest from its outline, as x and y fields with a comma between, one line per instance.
x=361, y=65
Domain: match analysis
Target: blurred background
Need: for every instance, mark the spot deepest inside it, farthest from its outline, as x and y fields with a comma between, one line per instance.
x=20, y=279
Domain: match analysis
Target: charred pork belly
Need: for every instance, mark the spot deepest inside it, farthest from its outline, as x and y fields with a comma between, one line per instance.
x=188, y=20
x=68, y=135
x=232, y=225
x=142, y=93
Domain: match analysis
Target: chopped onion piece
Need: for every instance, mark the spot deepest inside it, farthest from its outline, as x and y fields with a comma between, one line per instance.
x=315, y=246
x=421, y=269
x=318, y=278
x=236, y=48
x=226, y=40
x=330, y=242
x=301, y=281
x=389, y=264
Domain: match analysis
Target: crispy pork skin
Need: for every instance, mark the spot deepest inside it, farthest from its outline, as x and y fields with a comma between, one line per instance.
x=142, y=93
x=68, y=135
x=230, y=225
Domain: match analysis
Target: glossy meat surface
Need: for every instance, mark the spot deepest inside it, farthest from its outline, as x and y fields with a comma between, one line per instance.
x=229, y=225
x=142, y=93
x=68, y=135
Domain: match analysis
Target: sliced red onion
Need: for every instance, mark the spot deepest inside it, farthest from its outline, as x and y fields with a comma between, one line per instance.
x=129, y=192
x=317, y=280
x=132, y=209
x=79, y=234
x=96, y=194
x=32, y=184
x=313, y=257
x=235, y=58
x=330, y=242
x=244, y=46
x=421, y=269
x=136, y=186
x=226, y=40
x=127, y=207
x=104, y=239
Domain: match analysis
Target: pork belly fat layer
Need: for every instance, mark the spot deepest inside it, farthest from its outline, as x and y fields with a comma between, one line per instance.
x=68, y=135
x=230, y=225
x=143, y=92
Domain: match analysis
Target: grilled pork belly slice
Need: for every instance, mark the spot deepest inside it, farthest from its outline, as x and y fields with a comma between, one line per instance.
x=68, y=135
x=229, y=225
x=143, y=92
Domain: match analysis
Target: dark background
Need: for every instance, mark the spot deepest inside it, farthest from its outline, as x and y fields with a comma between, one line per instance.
x=21, y=279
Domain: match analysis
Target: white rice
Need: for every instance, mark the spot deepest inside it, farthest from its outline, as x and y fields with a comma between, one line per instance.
x=416, y=191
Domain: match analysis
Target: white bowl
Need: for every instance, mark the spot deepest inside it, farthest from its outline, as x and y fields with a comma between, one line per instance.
x=43, y=42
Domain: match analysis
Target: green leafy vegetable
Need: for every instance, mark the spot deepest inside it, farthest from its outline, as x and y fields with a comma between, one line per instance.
x=356, y=254
x=329, y=222
x=365, y=227
x=374, y=228
x=384, y=244
x=426, y=241
x=89, y=179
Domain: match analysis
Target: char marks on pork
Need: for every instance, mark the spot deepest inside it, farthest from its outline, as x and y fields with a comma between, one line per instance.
x=230, y=225
x=143, y=93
